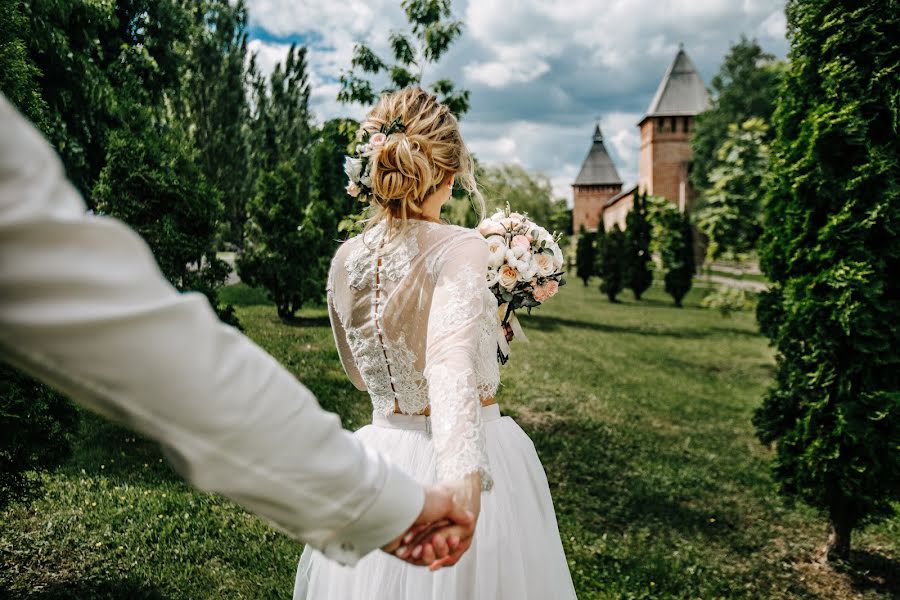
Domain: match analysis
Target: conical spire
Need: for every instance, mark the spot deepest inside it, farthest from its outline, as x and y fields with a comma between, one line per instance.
x=598, y=167
x=681, y=91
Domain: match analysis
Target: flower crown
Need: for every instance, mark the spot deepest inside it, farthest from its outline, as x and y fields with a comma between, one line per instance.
x=359, y=167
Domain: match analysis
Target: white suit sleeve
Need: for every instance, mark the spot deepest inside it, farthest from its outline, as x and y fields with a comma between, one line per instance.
x=457, y=310
x=84, y=308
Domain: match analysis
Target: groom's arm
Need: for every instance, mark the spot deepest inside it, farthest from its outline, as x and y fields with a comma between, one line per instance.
x=84, y=308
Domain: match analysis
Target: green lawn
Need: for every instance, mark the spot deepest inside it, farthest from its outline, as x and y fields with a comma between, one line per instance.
x=738, y=276
x=639, y=411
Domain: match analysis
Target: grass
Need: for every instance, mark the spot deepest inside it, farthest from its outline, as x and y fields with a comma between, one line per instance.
x=640, y=413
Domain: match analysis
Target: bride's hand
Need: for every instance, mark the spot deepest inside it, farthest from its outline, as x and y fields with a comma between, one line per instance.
x=442, y=544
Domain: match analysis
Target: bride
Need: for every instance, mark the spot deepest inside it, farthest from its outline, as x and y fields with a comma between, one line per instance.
x=416, y=326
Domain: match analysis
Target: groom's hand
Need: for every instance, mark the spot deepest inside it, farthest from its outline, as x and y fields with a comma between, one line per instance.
x=442, y=543
x=441, y=533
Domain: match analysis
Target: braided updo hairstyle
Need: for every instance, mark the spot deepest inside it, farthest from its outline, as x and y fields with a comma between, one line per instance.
x=415, y=161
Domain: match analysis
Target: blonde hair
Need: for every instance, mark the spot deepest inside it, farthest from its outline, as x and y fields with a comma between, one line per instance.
x=415, y=161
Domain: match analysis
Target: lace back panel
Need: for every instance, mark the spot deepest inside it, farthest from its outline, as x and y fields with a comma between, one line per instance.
x=416, y=326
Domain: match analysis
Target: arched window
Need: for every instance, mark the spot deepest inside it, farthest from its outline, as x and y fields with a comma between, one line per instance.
x=687, y=124
x=672, y=124
x=661, y=125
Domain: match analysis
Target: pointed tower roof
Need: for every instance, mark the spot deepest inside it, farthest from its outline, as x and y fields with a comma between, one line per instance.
x=681, y=91
x=598, y=167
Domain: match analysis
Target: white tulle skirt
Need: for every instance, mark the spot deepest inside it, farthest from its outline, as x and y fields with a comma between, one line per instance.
x=517, y=553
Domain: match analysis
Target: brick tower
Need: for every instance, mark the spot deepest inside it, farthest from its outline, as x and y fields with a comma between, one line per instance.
x=597, y=182
x=666, y=132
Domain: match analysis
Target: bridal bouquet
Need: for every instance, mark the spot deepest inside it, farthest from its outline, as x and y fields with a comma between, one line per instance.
x=524, y=268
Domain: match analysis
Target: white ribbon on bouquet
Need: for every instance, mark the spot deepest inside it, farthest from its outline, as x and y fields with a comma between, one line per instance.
x=514, y=324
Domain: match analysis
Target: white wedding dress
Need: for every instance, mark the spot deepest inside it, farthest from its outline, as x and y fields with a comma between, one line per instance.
x=416, y=326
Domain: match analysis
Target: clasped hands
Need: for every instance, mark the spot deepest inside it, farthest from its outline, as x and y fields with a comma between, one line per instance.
x=445, y=528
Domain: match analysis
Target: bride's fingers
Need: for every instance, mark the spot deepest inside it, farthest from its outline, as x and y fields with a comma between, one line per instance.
x=427, y=535
x=428, y=556
x=417, y=531
x=440, y=545
x=453, y=558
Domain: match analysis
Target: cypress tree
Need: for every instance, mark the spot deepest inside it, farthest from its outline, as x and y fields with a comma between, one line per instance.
x=831, y=248
x=677, y=250
x=585, y=255
x=639, y=272
x=612, y=259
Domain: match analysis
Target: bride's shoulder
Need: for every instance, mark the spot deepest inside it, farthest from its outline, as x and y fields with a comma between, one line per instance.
x=463, y=235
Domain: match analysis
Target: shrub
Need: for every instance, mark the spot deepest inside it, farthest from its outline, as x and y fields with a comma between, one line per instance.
x=37, y=426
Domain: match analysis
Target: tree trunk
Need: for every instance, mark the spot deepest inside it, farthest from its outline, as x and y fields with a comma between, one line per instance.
x=839, y=531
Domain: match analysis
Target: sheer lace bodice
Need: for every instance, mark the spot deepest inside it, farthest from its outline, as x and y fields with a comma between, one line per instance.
x=416, y=325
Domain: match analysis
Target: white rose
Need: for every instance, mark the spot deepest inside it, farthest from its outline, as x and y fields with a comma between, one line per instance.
x=508, y=277
x=543, y=264
x=353, y=168
x=557, y=256
x=528, y=273
x=492, y=277
x=496, y=251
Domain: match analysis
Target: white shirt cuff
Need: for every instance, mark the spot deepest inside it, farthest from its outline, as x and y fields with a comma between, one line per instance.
x=396, y=508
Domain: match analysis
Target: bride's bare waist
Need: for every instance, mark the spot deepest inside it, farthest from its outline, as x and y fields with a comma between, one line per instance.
x=427, y=412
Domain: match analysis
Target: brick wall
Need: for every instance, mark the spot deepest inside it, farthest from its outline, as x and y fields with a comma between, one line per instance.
x=665, y=155
x=588, y=204
x=615, y=214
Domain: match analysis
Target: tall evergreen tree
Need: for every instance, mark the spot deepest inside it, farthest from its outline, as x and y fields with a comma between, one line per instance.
x=676, y=249
x=831, y=248
x=585, y=255
x=638, y=261
x=215, y=103
x=611, y=258
x=289, y=233
x=152, y=182
x=98, y=60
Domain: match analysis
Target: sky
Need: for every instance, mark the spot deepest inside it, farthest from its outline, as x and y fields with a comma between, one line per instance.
x=541, y=72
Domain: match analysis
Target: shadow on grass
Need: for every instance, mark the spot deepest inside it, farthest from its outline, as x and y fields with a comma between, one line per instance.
x=547, y=323
x=117, y=453
x=599, y=478
x=870, y=572
x=300, y=321
x=95, y=590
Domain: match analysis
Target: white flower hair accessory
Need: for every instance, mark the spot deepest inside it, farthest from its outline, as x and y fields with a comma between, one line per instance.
x=359, y=167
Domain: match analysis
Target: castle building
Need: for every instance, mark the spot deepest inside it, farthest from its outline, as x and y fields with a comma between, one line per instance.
x=597, y=182
x=665, y=149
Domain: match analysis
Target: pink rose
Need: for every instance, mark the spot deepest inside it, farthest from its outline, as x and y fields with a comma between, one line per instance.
x=353, y=189
x=520, y=241
x=545, y=291
x=517, y=217
x=489, y=227
x=377, y=139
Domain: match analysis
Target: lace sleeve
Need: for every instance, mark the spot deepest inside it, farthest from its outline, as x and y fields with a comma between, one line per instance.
x=451, y=355
x=340, y=336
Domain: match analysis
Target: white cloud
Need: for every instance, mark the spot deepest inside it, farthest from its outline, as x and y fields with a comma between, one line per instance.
x=540, y=72
x=774, y=27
